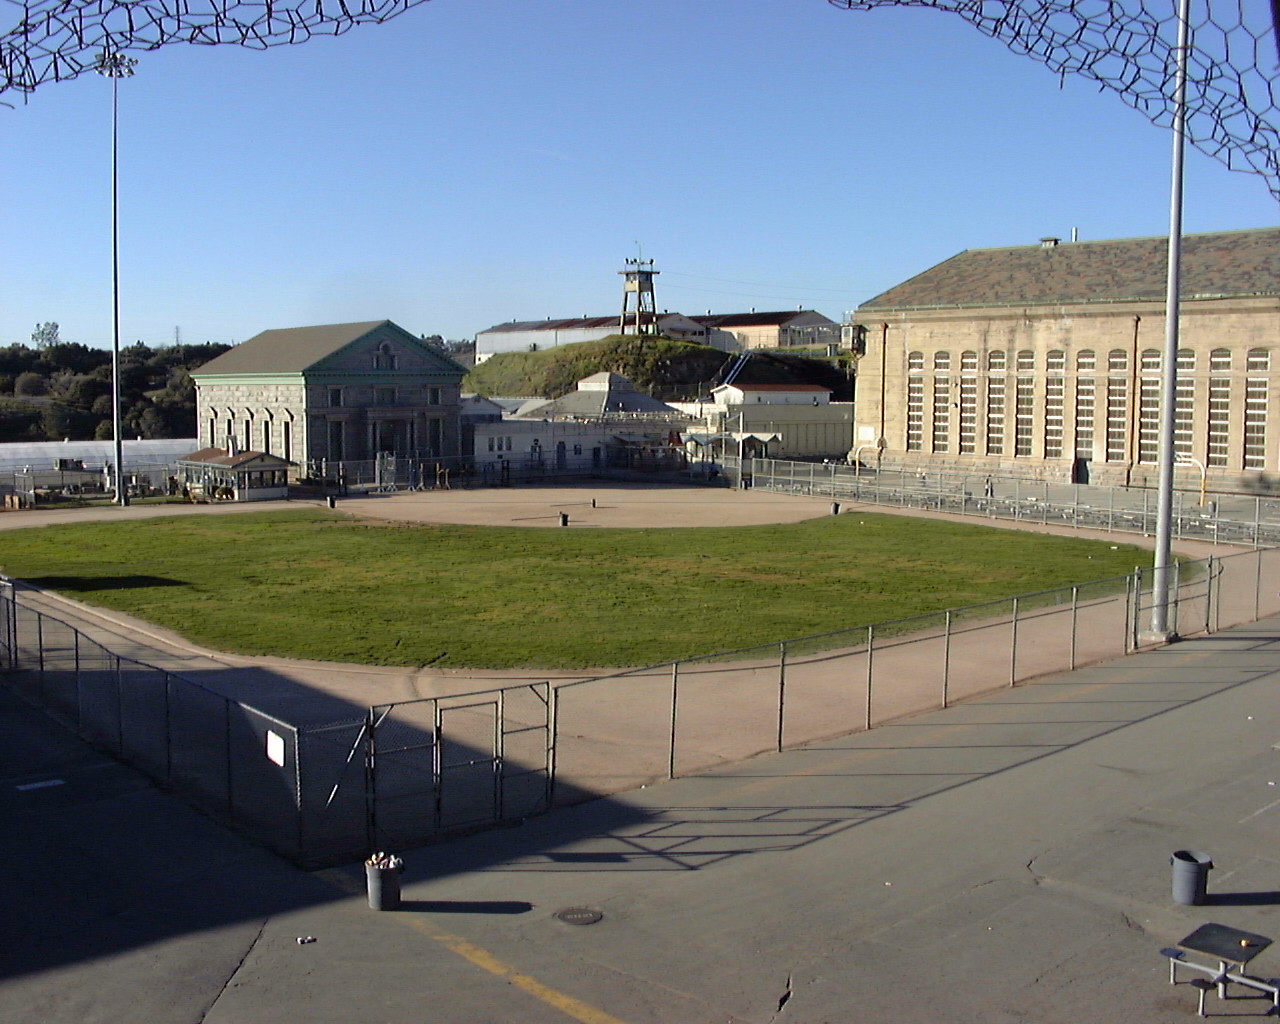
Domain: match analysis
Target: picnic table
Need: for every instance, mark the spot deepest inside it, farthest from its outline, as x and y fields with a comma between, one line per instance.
x=1229, y=950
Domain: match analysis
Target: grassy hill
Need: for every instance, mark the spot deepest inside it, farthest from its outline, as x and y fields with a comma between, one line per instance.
x=661, y=365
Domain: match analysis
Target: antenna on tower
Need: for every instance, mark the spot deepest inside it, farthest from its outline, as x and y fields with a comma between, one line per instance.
x=637, y=279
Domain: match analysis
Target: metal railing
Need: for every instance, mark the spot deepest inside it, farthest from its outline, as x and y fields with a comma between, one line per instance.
x=1223, y=518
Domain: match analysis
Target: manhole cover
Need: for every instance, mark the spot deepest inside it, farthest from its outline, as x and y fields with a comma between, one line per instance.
x=579, y=915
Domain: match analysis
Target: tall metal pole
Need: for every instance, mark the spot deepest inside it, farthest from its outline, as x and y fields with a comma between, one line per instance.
x=1161, y=597
x=115, y=65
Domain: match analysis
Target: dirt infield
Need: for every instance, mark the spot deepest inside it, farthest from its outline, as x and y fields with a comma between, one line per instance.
x=605, y=505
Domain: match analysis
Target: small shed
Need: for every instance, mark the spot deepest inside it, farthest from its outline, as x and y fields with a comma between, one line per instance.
x=222, y=475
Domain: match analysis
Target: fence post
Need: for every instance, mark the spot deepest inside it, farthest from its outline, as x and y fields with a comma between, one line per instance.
x=782, y=688
x=870, y=642
x=1257, y=583
x=675, y=700
x=1013, y=646
x=168, y=731
x=946, y=659
x=370, y=782
x=553, y=741
x=1075, y=609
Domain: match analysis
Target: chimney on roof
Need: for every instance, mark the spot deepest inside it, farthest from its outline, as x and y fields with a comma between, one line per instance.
x=1049, y=242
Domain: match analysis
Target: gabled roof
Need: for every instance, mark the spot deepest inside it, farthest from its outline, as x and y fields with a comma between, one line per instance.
x=295, y=349
x=606, y=394
x=582, y=323
x=773, y=387
x=221, y=457
x=1217, y=264
x=780, y=319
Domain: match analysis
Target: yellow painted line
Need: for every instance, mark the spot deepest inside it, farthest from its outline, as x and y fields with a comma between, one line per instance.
x=582, y=1012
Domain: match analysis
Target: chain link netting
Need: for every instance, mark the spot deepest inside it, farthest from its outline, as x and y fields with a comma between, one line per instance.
x=1126, y=46
x=1131, y=46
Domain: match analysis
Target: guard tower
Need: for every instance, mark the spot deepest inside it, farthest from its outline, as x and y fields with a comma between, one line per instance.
x=637, y=280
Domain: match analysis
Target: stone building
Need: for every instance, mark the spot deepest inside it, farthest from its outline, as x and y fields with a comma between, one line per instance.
x=340, y=392
x=1045, y=361
x=785, y=329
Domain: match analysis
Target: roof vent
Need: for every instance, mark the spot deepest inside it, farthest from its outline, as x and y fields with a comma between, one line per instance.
x=1049, y=242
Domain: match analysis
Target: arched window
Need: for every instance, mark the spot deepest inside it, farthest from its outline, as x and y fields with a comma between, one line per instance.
x=1220, y=360
x=384, y=358
x=915, y=360
x=1259, y=360
x=1150, y=360
x=1186, y=360
x=942, y=360
x=1055, y=361
x=1117, y=360
x=1086, y=361
x=968, y=360
x=1026, y=359
x=996, y=362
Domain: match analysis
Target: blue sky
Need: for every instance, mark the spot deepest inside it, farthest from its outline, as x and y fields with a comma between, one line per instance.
x=477, y=161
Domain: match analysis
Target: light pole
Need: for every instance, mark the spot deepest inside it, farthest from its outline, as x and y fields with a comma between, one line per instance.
x=1162, y=577
x=115, y=66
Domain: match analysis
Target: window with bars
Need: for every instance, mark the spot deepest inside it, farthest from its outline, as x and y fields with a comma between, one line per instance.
x=1117, y=420
x=941, y=413
x=995, y=416
x=1186, y=360
x=1086, y=361
x=1026, y=359
x=1182, y=417
x=996, y=362
x=1117, y=360
x=1258, y=360
x=968, y=436
x=1086, y=409
x=942, y=361
x=1054, y=395
x=1149, y=361
x=915, y=414
x=1255, y=420
x=1218, y=441
x=1024, y=404
x=915, y=360
x=1149, y=421
x=968, y=360
x=1220, y=360
x=1055, y=361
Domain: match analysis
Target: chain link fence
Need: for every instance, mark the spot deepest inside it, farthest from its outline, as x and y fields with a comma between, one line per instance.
x=399, y=775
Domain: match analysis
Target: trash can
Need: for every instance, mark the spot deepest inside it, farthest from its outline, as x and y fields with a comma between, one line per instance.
x=1190, y=876
x=835, y=508
x=382, y=876
x=331, y=501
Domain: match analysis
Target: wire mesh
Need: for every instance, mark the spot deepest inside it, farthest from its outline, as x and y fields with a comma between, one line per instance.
x=1129, y=47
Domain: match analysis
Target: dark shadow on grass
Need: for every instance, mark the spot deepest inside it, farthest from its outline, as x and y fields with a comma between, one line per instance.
x=87, y=584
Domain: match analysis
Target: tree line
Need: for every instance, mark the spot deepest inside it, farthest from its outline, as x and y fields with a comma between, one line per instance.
x=54, y=390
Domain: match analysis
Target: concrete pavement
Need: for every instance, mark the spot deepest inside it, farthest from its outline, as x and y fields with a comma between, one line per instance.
x=1004, y=860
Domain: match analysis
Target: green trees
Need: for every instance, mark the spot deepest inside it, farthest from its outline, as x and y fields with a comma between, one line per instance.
x=55, y=389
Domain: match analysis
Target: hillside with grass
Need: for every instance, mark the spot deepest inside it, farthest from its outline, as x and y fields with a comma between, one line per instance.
x=662, y=366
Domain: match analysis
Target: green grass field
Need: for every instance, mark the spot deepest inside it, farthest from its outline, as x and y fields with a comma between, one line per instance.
x=317, y=585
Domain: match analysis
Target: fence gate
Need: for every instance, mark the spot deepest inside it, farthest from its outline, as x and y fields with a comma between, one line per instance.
x=443, y=764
